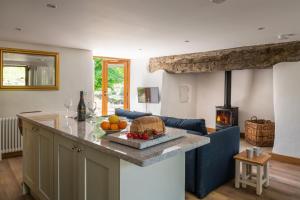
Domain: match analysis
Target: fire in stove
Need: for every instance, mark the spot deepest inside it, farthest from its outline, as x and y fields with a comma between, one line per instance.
x=223, y=118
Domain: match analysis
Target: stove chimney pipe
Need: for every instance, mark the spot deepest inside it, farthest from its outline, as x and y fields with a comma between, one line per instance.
x=227, y=90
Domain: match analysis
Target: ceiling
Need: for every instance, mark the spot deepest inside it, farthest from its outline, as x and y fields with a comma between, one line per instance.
x=143, y=28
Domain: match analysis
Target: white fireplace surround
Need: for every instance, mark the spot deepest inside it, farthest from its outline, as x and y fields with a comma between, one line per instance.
x=287, y=109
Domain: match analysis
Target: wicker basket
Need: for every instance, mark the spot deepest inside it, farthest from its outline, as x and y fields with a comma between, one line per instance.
x=260, y=132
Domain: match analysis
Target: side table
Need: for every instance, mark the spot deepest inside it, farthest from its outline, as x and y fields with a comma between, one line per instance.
x=247, y=177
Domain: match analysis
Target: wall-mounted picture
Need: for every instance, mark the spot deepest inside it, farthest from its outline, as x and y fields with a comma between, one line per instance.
x=148, y=95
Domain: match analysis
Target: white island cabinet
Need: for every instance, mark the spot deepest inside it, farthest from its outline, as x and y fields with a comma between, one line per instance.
x=38, y=161
x=69, y=160
x=84, y=173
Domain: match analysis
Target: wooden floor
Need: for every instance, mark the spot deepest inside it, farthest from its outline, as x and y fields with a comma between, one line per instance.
x=284, y=184
x=10, y=179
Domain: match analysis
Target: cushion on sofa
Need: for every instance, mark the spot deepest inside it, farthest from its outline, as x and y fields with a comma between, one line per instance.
x=130, y=114
x=197, y=126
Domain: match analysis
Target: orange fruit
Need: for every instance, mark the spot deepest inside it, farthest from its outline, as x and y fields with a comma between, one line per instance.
x=105, y=125
x=114, y=127
x=122, y=124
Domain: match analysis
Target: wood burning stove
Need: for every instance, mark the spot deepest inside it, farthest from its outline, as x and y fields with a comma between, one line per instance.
x=226, y=115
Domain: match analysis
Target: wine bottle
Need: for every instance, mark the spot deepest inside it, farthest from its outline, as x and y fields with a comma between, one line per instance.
x=81, y=109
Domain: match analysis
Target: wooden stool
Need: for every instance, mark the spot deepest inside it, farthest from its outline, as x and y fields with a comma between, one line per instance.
x=261, y=178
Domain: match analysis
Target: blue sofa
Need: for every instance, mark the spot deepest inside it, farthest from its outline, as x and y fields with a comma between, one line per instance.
x=212, y=165
x=209, y=166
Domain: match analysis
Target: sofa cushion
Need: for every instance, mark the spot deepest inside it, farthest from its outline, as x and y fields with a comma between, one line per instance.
x=195, y=125
x=130, y=114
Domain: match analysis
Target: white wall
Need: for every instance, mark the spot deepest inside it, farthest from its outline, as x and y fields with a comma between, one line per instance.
x=76, y=73
x=252, y=92
x=171, y=104
x=169, y=90
x=210, y=91
x=141, y=77
x=287, y=109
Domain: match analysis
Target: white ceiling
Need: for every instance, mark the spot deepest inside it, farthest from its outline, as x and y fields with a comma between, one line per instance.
x=159, y=27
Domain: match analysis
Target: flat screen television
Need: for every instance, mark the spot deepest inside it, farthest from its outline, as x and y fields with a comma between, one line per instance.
x=148, y=95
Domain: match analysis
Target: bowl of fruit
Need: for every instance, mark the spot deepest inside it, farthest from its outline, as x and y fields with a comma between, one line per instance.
x=113, y=124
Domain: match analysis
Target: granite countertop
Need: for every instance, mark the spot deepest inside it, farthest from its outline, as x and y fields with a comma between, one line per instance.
x=90, y=134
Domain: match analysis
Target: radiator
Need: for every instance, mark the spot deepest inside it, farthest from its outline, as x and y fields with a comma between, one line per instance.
x=10, y=137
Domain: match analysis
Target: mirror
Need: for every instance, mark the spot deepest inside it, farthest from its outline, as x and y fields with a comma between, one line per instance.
x=29, y=70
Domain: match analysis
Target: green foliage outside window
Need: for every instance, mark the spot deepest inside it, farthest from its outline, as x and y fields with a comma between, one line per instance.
x=115, y=75
x=98, y=73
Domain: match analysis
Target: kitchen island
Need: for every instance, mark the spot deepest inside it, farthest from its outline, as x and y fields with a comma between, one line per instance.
x=69, y=160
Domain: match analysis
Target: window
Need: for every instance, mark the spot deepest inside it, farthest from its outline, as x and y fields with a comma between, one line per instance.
x=14, y=75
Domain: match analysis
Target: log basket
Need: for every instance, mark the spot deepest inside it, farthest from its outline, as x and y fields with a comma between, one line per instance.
x=259, y=132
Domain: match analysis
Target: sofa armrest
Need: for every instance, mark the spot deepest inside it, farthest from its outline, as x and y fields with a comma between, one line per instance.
x=214, y=162
x=190, y=170
x=190, y=166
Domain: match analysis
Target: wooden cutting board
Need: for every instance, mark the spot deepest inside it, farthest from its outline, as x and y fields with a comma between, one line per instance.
x=170, y=134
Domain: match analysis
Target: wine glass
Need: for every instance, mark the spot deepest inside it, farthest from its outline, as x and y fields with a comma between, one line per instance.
x=68, y=104
x=92, y=106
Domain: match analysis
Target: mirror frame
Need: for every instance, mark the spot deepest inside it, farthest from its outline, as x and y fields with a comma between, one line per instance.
x=30, y=52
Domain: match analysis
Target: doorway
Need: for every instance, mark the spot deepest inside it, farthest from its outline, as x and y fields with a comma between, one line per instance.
x=112, y=83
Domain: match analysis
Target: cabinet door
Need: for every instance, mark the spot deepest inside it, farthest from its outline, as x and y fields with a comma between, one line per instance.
x=65, y=169
x=45, y=142
x=98, y=175
x=29, y=149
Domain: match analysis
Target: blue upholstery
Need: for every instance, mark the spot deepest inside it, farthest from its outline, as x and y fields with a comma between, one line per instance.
x=130, y=114
x=190, y=171
x=197, y=125
x=212, y=165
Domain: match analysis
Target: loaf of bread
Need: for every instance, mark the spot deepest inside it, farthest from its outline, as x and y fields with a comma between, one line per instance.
x=148, y=123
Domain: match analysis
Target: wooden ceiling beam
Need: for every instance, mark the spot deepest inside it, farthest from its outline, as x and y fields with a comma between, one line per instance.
x=248, y=57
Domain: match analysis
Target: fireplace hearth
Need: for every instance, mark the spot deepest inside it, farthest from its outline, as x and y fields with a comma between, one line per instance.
x=227, y=116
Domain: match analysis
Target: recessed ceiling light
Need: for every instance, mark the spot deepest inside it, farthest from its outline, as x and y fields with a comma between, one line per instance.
x=18, y=29
x=285, y=36
x=186, y=41
x=51, y=5
x=217, y=1
x=261, y=28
